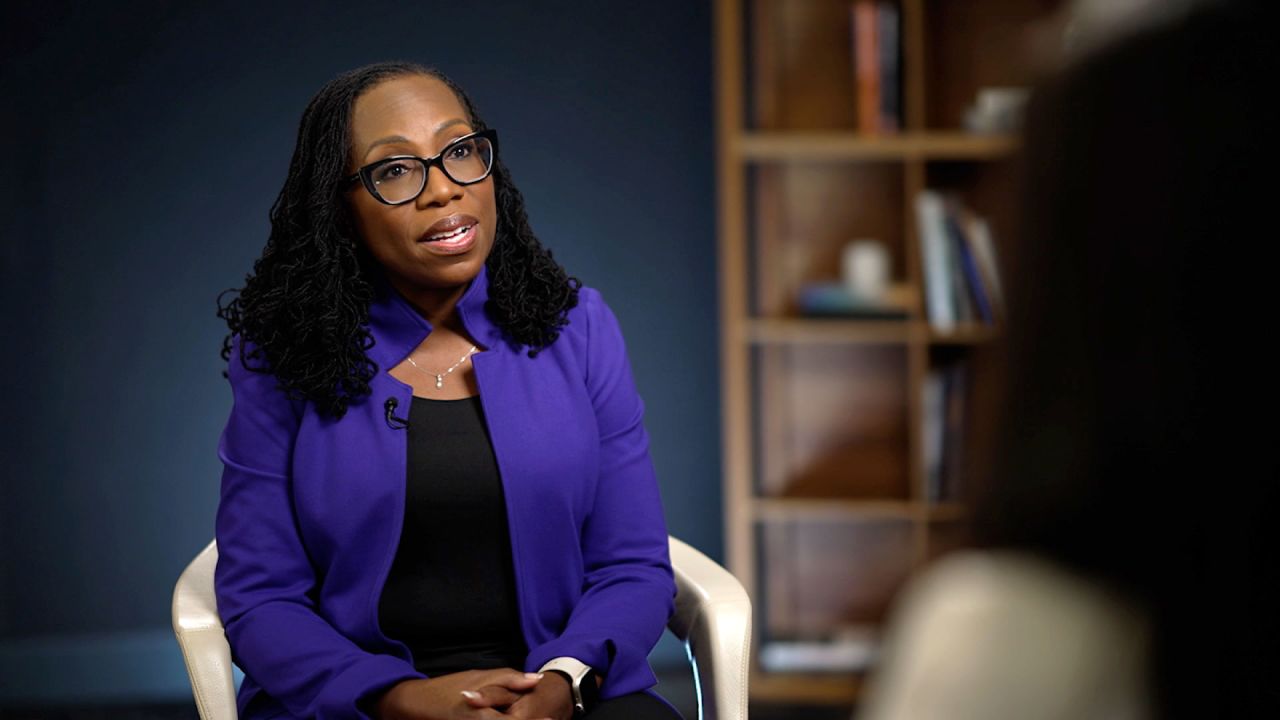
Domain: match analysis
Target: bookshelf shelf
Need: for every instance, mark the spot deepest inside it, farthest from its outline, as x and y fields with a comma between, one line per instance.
x=948, y=512
x=779, y=331
x=966, y=335
x=826, y=688
x=831, y=331
x=790, y=509
x=844, y=443
x=843, y=146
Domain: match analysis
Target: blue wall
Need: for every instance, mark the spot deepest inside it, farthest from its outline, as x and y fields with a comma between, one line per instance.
x=142, y=150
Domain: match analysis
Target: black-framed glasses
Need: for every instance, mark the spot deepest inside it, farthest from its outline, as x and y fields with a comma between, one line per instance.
x=400, y=179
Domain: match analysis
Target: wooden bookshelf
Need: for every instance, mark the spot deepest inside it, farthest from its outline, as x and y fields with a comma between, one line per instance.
x=828, y=507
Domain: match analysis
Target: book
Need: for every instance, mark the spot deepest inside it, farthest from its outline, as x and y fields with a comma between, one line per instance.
x=940, y=306
x=835, y=300
x=960, y=297
x=978, y=230
x=889, y=43
x=866, y=65
x=946, y=406
x=962, y=281
x=955, y=401
x=934, y=427
x=976, y=290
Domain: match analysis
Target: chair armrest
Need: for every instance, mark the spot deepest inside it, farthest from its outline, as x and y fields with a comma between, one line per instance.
x=713, y=618
x=202, y=639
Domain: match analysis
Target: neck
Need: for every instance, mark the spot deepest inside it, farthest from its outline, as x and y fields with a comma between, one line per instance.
x=439, y=306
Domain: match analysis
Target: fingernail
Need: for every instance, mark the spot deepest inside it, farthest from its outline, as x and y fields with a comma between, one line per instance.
x=470, y=695
x=533, y=676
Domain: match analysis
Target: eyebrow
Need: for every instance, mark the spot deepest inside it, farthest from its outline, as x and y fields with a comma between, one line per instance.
x=401, y=139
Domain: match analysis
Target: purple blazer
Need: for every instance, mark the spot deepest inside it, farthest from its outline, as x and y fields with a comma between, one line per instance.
x=311, y=508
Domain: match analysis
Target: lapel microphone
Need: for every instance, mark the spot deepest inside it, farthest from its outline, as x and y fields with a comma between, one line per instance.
x=395, y=423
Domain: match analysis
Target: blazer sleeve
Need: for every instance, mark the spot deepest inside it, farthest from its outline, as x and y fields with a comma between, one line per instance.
x=264, y=582
x=629, y=589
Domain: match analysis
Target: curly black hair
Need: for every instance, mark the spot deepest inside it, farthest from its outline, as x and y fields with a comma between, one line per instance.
x=302, y=312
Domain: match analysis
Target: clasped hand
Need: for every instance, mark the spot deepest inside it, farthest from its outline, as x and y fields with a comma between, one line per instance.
x=479, y=695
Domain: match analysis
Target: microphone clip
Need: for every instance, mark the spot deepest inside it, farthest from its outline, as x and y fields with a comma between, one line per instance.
x=395, y=423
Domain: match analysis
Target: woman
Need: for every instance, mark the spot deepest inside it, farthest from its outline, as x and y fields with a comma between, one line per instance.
x=1125, y=567
x=438, y=500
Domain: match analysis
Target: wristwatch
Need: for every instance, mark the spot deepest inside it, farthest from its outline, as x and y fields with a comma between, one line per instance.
x=582, y=681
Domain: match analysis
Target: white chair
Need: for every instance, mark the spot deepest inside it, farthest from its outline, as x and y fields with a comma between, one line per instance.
x=712, y=618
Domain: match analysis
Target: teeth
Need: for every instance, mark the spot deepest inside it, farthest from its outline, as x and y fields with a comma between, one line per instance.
x=449, y=235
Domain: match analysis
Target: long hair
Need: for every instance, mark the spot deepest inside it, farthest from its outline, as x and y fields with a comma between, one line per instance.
x=303, y=311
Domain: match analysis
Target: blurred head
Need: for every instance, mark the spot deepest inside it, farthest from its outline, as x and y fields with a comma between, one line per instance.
x=304, y=309
x=1127, y=446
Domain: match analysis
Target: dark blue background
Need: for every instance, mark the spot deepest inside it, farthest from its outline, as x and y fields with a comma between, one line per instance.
x=143, y=146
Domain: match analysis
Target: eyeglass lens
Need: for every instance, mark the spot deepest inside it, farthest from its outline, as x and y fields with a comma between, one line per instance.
x=464, y=162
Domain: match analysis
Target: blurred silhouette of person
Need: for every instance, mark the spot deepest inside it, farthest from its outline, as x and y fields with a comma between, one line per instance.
x=1122, y=565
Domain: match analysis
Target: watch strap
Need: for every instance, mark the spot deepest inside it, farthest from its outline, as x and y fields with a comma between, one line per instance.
x=582, y=682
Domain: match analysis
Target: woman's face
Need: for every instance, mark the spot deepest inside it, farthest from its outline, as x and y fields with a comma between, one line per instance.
x=419, y=115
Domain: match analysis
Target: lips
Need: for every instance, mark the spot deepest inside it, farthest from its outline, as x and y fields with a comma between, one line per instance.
x=448, y=229
x=451, y=236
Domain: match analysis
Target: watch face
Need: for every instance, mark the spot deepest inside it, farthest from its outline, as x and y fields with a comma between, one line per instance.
x=589, y=690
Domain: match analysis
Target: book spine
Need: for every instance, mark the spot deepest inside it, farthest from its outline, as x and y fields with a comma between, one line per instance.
x=889, y=40
x=956, y=401
x=934, y=428
x=969, y=268
x=961, y=298
x=935, y=258
x=866, y=62
x=984, y=251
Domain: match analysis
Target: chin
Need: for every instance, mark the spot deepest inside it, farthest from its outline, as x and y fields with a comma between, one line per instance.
x=452, y=274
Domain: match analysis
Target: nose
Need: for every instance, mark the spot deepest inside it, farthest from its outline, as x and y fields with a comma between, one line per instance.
x=439, y=189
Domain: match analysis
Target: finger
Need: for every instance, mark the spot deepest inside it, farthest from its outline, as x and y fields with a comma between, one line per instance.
x=513, y=679
x=516, y=709
x=490, y=696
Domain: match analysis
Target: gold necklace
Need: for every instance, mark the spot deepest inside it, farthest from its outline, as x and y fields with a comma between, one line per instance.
x=440, y=376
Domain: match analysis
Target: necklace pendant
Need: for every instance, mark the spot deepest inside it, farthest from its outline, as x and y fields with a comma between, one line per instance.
x=439, y=381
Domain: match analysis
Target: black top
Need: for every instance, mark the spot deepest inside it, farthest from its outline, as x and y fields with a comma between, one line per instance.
x=450, y=595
